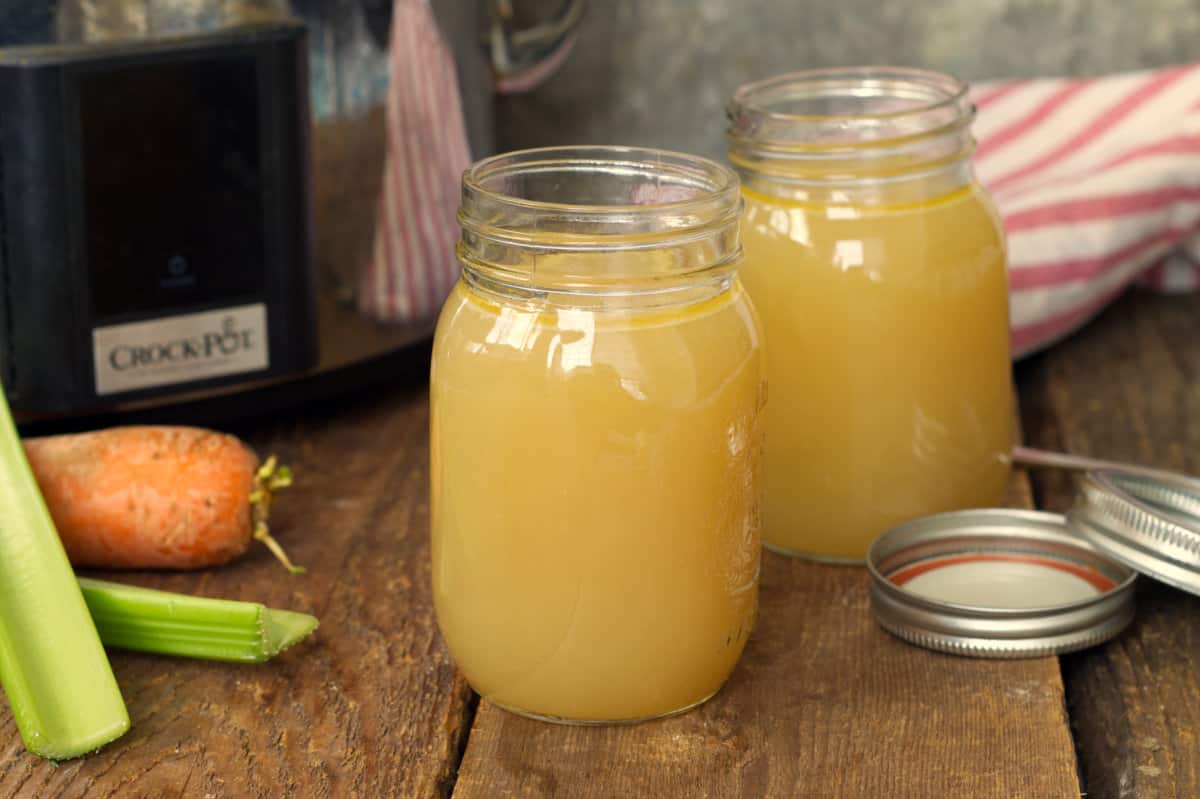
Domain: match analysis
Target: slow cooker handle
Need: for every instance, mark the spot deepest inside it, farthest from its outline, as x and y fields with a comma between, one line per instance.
x=523, y=57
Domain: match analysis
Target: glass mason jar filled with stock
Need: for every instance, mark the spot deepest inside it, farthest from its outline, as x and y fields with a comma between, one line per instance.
x=596, y=391
x=877, y=263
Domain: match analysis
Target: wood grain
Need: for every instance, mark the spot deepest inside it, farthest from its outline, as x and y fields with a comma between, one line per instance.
x=1128, y=388
x=370, y=707
x=823, y=703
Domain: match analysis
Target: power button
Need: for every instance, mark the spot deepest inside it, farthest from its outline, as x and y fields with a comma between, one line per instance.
x=178, y=273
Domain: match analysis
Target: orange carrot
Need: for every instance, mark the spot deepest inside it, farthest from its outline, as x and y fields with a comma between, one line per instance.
x=140, y=497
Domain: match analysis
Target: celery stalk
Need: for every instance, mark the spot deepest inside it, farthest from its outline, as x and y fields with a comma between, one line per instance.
x=146, y=620
x=52, y=666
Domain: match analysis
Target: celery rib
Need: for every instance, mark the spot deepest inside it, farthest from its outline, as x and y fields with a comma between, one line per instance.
x=146, y=620
x=53, y=668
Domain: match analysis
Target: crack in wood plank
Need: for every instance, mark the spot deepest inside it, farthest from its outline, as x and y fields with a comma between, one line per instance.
x=1125, y=388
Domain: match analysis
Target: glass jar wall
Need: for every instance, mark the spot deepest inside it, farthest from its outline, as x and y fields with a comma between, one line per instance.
x=878, y=265
x=595, y=397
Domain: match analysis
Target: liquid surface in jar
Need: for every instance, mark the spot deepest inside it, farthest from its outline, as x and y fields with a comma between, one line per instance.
x=887, y=343
x=595, y=486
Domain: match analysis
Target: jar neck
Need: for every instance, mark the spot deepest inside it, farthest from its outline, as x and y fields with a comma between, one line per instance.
x=853, y=136
x=599, y=226
x=482, y=283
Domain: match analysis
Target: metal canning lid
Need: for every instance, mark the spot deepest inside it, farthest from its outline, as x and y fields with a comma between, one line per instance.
x=997, y=583
x=1150, y=523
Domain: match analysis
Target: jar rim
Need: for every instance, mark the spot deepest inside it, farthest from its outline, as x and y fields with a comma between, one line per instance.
x=950, y=90
x=593, y=203
x=710, y=181
x=876, y=105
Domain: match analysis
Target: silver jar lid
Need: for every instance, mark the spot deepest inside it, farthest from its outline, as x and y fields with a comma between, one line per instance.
x=1149, y=522
x=997, y=583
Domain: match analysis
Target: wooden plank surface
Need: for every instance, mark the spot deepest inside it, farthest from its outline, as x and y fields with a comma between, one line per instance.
x=371, y=707
x=1128, y=388
x=823, y=703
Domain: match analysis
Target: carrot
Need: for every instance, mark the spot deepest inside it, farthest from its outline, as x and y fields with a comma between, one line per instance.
x=142, y=497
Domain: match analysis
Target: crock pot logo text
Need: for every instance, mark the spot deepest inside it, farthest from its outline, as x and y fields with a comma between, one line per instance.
x=226, y=342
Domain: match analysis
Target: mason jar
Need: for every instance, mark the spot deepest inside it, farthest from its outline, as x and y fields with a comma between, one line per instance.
x=596, y=392
x=877, y=263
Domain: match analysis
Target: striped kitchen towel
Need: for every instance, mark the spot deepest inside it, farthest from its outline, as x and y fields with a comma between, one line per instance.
x=413, y=265
x=1098, y=182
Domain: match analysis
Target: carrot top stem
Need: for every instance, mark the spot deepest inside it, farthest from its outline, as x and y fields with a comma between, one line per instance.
x=269, y=478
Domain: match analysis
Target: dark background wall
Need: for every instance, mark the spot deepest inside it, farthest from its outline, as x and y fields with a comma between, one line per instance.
x=658, y=72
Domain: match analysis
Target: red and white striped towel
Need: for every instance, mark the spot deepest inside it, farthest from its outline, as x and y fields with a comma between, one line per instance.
x=1098, y=182
x=413, y=266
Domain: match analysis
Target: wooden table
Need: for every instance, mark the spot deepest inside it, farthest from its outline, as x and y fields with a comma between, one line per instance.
x=823, y=703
